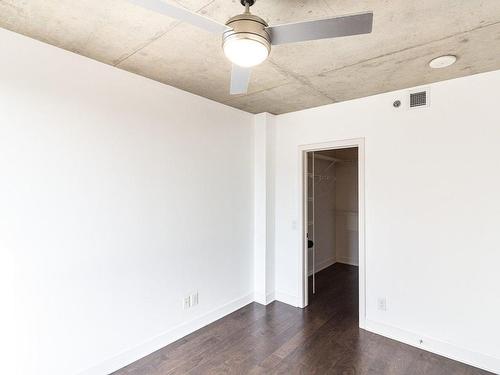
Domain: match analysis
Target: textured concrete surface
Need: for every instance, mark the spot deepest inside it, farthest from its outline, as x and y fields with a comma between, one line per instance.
x=406, y=35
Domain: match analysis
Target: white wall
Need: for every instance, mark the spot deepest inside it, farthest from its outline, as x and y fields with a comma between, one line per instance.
x=346, y=213
x=432, y=212
x=118, y=195
x=263, y=143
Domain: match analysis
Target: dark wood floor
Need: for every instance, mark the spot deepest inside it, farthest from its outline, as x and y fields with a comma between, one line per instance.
x=324, y=338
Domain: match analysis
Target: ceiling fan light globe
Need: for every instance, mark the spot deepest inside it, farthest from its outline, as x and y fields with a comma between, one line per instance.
x=245, y=52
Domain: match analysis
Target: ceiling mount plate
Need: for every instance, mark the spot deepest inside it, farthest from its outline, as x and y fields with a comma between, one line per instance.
x=249, y=2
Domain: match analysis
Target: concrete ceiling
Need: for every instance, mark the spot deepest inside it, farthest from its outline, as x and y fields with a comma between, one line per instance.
x=406, y=35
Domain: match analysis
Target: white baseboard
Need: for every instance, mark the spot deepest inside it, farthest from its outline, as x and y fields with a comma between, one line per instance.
x=264, y=299
x=129, y=356
x=289, y=299
x=444, y=349
x=322, y=265
x=347, y=260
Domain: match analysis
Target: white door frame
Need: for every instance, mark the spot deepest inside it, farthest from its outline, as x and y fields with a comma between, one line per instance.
x=359, y=143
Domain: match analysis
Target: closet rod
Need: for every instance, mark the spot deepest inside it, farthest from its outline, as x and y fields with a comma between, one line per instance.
x=329, y=158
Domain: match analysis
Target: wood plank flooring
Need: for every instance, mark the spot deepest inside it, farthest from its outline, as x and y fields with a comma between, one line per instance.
x=324, y=338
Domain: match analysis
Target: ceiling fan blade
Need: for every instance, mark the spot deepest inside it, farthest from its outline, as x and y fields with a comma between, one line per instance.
x=240, y=77
x=181, y=14
x=321, y=29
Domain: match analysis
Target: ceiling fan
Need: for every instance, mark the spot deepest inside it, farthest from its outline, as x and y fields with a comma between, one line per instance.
x=247, y=38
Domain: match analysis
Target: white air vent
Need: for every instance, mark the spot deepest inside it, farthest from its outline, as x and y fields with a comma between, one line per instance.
x=418, y=98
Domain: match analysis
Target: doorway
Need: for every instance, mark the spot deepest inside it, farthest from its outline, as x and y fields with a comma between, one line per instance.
x=333, y=217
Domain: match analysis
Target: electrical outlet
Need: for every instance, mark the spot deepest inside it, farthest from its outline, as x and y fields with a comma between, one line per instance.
x=382, y=304
x=186, y=302
x=194, y=299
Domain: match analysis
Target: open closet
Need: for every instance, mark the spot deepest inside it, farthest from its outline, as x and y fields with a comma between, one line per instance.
x=332, y=211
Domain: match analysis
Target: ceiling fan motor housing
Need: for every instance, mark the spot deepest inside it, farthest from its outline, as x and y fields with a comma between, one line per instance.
x=247, y=26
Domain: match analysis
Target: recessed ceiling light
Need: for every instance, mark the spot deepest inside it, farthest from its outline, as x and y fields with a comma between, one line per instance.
x=442, y=61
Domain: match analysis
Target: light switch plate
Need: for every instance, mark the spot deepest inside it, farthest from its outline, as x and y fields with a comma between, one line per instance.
x=186, y=302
